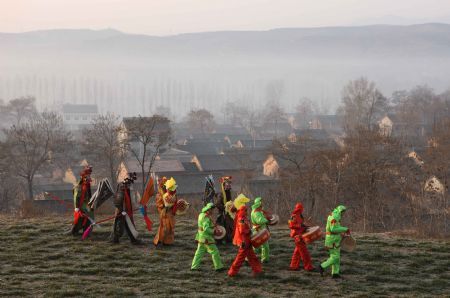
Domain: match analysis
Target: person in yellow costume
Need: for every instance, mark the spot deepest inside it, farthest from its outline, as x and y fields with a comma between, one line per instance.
x=166, y=202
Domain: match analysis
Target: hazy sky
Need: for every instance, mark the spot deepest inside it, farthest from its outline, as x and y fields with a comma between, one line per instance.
x=163, y=17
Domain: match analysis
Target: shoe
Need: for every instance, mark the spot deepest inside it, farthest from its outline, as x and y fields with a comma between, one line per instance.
x=311, y=269
x=321, y=270
x=294, y=269
x=195, y=269
x=335, y=276
x=137, y=242
x=220, y=270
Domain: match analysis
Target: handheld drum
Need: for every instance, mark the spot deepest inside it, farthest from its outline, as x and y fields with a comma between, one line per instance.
x=312, y=234
x=348, y=243
x=260, y=237
x=182, y=207
x=273, y=219
x=219, y=232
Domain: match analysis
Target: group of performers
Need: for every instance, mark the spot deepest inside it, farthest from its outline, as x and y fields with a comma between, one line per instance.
x=233, y=219
x=233, y=216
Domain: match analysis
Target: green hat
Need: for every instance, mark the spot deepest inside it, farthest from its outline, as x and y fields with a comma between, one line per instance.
x=207, y=207
x=257, y=203
x=338, y=211
x=341, y=208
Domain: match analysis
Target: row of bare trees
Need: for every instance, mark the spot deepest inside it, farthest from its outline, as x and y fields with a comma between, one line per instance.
x=37, y=143
x=380, y=177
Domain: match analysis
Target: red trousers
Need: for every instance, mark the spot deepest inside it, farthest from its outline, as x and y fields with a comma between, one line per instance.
x=242, y=254
x=301, y=252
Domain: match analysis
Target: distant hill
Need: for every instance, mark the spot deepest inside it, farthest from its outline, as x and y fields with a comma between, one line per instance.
x=373, y=41
x=312, y=62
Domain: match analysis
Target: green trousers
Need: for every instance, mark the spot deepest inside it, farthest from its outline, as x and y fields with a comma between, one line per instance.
x=264, y=251
x=211, y=249
x=334, y=260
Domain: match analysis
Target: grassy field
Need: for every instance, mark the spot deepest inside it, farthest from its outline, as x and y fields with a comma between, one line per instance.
x=38, y=260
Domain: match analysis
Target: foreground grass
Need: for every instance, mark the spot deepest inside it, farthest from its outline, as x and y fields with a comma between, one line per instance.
x=38, y=260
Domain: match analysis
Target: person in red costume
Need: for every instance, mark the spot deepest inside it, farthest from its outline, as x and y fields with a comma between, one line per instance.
x=83, y=214
x=297, y=226
x=242, y=239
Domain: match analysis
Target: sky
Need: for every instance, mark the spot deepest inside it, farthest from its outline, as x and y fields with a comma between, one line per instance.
x=168, y=17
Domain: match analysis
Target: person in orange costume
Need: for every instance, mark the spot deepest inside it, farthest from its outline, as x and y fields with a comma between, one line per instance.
x=242, y=232
x=301, y=251
x=166, y=205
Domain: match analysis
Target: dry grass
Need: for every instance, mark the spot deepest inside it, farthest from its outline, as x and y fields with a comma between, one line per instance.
x=38, y=260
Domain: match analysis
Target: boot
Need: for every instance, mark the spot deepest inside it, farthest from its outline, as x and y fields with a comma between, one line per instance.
x=321, y=270
x=335, y=276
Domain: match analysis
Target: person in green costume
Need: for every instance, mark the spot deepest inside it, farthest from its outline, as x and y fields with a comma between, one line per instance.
x=333, y=238
x=205, y=239
x=259, y=222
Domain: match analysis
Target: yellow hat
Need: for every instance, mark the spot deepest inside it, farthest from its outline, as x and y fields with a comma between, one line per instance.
x=240, y=201
x=171, y=184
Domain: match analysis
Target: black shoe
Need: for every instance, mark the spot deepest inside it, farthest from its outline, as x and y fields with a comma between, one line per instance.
x=321, y=270
x=335, y=276
x=137, y=242
x=220, y=269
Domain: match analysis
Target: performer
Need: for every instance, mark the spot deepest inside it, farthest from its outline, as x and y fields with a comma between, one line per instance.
x=205, y=239
x=83, y=214
x=226, y=216
x=259, y=222
x=242, y=240
x=210, y=192
x=124, y=212
x=301, y=251
x=333, y=239
x=166, y=204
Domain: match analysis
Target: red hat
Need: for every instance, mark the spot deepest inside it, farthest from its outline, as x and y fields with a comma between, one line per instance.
x=298, y=208
x=86, y=171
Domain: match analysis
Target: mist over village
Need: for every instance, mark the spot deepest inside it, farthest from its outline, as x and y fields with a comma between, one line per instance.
x=304, y=151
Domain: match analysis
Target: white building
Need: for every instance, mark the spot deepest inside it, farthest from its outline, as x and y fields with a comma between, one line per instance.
x=76, y=117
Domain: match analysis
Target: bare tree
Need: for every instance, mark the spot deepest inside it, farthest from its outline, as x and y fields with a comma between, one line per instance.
x=273, y=115
x=20, y=108
x=274, y=91
x=33, y=145
x=201, y=121
x=145, y=137
x=362, y=103
x=304, y=112
x=102, y=141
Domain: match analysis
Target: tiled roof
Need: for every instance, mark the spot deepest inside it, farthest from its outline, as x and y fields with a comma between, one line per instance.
x=166, y=166
x=192, y=183
x=219, y=163
x=204, y=147
x=256, y=143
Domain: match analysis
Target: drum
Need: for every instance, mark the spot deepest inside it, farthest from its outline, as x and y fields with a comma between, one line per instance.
x=260, y=237
x=219, y=232
x=273, y=219
x=182, y=207
x=312, y=234
x=348, y=243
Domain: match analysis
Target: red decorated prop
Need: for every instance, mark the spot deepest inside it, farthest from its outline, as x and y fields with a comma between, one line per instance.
x=312, y=234
x=260, y=238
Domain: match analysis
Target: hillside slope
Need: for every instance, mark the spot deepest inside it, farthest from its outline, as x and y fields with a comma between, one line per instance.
x=38, y=261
